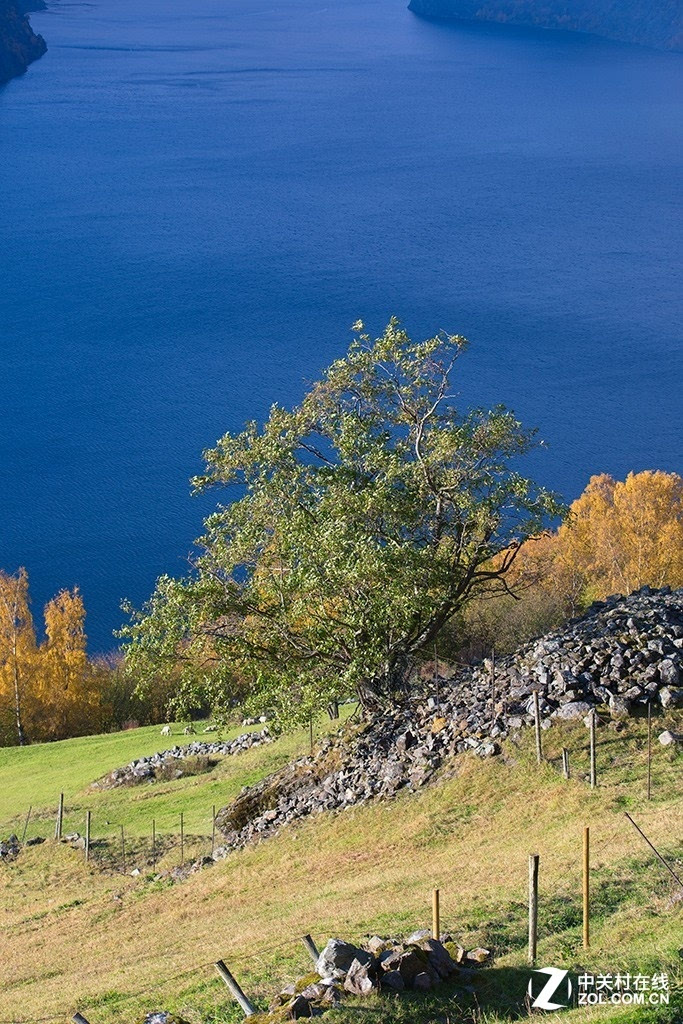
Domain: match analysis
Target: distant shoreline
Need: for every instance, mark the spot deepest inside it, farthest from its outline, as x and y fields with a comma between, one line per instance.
x=646, y=24
x=19, y=44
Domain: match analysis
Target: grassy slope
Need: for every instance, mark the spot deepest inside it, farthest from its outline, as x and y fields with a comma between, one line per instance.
x=114, y=946
x=34, y=776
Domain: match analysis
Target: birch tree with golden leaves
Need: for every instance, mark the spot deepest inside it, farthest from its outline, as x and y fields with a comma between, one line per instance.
x=18, y=650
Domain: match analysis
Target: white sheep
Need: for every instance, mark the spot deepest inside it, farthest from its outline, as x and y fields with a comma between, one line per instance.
x=189, y=730
x=166, y=731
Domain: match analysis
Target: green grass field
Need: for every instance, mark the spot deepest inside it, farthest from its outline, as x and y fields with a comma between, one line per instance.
x=87, y=937
x=35, y=776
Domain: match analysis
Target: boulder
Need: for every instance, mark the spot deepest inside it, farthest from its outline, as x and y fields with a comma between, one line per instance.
x=299, y=1008
x=422, y=982
x=669, y=739
x=669, y=672
x=439, y=958
x=413, y=962
x=574, y=709
x=392, y=981
x=358, y=981
x=671, y=697
x=337, y=957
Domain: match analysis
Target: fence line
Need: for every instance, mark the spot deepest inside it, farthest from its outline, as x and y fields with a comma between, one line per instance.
x=306, y=942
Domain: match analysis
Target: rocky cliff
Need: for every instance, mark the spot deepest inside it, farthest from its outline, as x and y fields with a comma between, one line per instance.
x=656, y=23
x=19, y=44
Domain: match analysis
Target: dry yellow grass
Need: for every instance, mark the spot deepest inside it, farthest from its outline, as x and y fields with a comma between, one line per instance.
x=113, y=946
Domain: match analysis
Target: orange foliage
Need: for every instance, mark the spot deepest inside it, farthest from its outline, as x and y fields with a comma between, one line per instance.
x=48, y=690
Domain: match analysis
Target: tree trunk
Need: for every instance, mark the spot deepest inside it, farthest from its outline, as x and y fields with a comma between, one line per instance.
x=375, y=692
x=17, y=706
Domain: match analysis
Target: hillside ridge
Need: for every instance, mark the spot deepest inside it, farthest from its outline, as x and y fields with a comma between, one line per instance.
x=621, y=655
x=658, y=24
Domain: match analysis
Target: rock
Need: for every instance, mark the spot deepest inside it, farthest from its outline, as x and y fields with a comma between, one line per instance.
x=162, y=1017
x=299, y=1008
x=332, y=996
x=337, y=957
x=669, y=739
x=618, y=707
x=36, y=841
x=411, y=963
x=419, y=936
x=392, y=981
x=671, y=697
x=669, y=672
x=144, y=769
x=439, y=957
x=575, y=709
x=422, y=982
x=314, y=992
x=456, y=952
x=377, y=945
x=358, y=980
x=479, y=955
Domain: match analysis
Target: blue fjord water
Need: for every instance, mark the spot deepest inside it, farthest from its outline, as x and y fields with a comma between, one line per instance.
x=198, y=199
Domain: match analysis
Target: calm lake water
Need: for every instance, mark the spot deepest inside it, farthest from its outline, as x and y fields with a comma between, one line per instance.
x=198, y=198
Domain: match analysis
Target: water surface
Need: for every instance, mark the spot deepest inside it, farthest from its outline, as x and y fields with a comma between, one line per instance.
x=198, y=199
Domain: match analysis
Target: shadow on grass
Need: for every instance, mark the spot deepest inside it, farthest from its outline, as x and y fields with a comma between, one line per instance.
x=495, y=993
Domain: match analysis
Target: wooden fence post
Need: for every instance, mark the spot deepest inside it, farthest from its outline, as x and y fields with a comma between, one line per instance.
x=60, y=817
x=311, y=948
x=28, y=818
x=533, y=906
x=586, y=887
x=594, y=775
x=87, y=836
x=247, y=1006
x=436, y=917
x=537, y=725
x=565, y=762
x=493, y=679
x=649, y=750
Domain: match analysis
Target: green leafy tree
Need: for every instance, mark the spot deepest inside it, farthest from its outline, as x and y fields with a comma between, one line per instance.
x=365, y=519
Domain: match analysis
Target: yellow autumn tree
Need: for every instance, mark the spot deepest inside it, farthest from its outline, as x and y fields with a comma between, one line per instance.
x=622, y=535
x=18, y=656
x=618, y=537
x=49, y=690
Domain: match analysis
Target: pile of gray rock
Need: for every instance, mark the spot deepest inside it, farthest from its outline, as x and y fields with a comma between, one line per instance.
x=621, y=655
x=147, y=769
x=418, y=963
x=12, y=847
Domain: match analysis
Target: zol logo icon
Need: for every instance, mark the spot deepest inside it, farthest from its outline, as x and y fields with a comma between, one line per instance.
x=556, y=977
